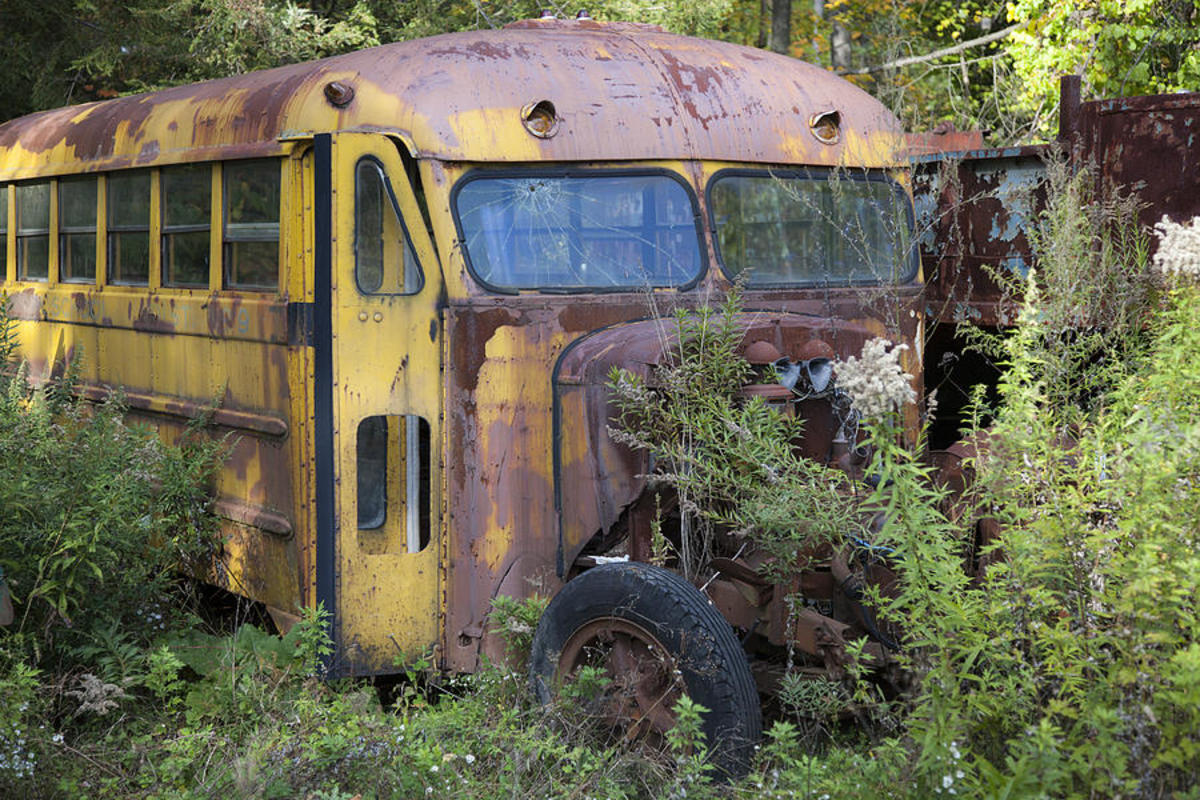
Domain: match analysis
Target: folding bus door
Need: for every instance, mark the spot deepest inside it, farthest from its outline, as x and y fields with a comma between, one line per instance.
x=385, y=387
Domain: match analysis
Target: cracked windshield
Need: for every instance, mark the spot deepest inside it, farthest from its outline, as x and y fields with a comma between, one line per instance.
x=580, y=232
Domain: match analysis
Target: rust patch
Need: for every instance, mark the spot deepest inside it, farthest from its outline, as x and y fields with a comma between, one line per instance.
x=149, y=152
x=222, y=315
x=147, y=320
x=25, y=305
x=469, y=347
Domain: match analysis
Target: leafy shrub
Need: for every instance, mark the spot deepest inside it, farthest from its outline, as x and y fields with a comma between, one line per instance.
x=96, y=516
x=1067, y=668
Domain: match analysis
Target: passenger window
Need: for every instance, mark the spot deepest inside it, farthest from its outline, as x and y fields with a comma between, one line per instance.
x=77, y=230
x=252, y=224
x=393, y=465
x=384, y=262
x=3, y=233
x=187, y=213
x=129, y=228
x=33, y=231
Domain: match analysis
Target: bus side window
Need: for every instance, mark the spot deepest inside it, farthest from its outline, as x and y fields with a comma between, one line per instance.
x=3, y=232
x=251, y=238
x=77, y=230
x=393, y=466
x=187, y=215
x=384, y=262
x=128, y=227
x=33, y=231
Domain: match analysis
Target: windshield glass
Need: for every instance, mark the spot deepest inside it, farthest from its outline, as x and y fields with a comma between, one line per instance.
x=812, y=228
x=579, y=232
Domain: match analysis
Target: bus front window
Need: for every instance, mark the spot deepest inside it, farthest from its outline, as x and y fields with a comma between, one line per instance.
x=812, y=228
x=579, y=231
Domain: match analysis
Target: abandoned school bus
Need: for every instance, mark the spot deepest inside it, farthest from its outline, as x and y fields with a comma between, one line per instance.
x=406, y=273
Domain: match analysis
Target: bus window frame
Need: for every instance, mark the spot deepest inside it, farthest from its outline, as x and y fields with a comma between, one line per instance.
x=408, y=241
x=110, y=228
x=5, y=229
x=816, y=173
x=47, y=233
x=215, y=201
x=560, y=171
x=226, y=243
x=64, y=231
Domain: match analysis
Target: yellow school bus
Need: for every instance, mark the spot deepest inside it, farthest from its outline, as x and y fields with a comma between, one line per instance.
x=403, y=275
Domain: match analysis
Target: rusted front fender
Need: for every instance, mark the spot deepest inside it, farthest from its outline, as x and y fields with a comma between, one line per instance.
x=596, y=479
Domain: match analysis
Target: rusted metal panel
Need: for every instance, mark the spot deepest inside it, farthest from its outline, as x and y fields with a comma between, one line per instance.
x=942, y=139
x=1148, y=145
x=974, y=210
x=620, y=92
x=527, y=416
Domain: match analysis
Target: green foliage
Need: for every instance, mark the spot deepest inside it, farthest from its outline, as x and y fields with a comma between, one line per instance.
x=515, y=621
x=731, y=460
x=686, y=743
x=21, y=739
x=229, y=37
x=1067, y=667
x=1120, y=47
x=95, y=516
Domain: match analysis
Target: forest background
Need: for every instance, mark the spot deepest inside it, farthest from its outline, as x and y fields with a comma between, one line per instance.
x=973, y=64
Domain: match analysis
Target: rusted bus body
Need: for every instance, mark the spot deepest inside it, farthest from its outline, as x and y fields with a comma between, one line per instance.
x=975, y=206
x=496, y=468
x=976, y=209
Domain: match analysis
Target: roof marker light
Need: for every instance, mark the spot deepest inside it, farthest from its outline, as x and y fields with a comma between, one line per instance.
x=540, y=119
x=826, y=126
x=339, y=93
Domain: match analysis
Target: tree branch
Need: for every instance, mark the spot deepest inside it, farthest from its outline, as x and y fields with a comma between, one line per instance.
x=936, y=54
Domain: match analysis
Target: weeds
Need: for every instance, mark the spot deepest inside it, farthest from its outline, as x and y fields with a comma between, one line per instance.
x=731, y=462
x=1056, y=671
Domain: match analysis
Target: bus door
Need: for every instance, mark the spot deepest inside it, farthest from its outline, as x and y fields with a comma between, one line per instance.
x=386, y=351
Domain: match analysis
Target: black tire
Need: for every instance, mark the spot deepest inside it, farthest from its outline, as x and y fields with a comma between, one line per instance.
x=700, y=644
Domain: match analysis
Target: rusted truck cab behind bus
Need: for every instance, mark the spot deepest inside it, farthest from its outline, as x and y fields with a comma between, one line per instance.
x=473, y=229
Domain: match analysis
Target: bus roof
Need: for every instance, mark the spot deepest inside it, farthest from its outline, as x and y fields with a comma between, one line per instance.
x=621, y=91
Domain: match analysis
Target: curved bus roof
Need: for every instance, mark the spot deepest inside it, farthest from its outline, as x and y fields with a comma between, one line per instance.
x=622, y=91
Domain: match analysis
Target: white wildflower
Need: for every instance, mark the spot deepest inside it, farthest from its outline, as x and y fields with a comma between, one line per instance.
x=1178, y=248
x=96, y=696
x=875, y=382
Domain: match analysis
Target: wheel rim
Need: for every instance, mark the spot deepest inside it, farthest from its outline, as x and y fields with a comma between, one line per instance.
x=644, y=680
